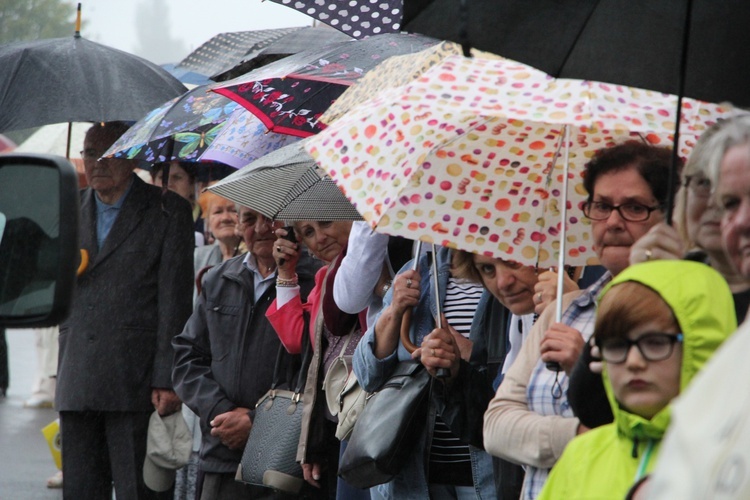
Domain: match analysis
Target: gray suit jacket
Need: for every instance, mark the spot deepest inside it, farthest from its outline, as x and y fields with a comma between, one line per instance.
x=134, y=296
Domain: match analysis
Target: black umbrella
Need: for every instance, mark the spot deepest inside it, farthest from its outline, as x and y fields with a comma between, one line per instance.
x=77, y=80
x=308, y=38
x=638, y=43
x=693, y=48
x=223, y=51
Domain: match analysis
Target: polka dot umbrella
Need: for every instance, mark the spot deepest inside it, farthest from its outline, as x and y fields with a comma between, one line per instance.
x=471, y=155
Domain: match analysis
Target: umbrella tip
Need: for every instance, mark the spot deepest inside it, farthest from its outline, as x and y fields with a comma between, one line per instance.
x=78, y=21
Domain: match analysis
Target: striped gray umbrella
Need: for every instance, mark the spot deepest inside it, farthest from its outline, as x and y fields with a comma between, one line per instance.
x=287, y=185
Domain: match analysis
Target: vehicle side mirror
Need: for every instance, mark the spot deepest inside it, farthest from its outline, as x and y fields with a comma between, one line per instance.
x=38, y=239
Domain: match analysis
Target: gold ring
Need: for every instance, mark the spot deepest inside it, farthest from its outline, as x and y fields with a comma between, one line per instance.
x=539, y=297
x=433, y=352
x=648, y=254
x=408, y=282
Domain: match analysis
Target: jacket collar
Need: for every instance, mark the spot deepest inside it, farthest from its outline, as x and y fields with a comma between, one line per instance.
x=131, y=214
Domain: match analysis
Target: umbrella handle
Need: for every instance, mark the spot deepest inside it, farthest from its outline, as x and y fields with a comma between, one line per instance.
x=411, y=347
x=405, y=326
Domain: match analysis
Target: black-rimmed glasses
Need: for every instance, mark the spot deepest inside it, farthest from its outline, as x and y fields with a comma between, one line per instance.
x=652, y=346
x=632, y=212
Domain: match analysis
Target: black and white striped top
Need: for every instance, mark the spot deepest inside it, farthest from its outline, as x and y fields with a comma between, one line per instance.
x=450, y=462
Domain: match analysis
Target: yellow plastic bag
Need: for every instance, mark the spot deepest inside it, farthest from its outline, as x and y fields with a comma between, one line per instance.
x=52, y=434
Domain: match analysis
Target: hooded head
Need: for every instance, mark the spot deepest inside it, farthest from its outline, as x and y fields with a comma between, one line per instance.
x=673, y=297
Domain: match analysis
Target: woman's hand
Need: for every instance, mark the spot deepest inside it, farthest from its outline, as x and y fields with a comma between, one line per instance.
x=443, y=348
x=406, y=291
x=405, y=296
x=661, y=242
x=287, y=252
x=545, y=290
x=561, y=344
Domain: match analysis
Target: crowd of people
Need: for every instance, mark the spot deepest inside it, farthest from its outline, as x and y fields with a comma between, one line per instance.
x=189, y=303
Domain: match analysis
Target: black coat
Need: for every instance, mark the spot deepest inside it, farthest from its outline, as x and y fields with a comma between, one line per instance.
x=131, y=300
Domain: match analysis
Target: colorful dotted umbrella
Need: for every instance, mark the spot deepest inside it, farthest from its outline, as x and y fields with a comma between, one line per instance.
x=470, y=155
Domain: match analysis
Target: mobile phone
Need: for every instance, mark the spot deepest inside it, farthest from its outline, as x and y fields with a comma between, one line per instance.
x=290, y=236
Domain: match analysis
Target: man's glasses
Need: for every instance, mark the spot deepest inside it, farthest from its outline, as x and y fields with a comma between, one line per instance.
x=632, y=212
x=699, y=185
x=91, y=154
x=652, y=346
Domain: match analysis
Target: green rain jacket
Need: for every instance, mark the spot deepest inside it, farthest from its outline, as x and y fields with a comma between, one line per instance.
x=605, y=462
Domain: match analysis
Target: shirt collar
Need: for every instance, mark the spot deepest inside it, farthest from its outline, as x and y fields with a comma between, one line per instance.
x=101, y=206
x=588, y=297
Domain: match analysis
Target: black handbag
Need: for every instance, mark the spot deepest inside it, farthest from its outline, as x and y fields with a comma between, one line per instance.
x=270, y=455
x=388, y=429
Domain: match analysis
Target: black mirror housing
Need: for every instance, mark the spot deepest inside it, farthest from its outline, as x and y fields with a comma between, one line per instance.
x=38, y=239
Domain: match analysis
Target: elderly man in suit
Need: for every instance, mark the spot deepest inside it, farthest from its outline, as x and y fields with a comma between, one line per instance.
x=115, y=360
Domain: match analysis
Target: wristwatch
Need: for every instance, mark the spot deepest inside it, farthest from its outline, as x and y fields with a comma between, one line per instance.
x=386, y=287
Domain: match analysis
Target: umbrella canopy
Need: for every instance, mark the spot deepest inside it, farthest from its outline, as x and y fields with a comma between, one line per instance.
x=468, y=156
x=638, y=43
x=357, y=18
x=243, y=139
x=307, y=38
x=290, y=95
x=287, y=185
x=394, y=72
x=198, y=126
x=73, y=79
x=226, y=50
x=179, y=129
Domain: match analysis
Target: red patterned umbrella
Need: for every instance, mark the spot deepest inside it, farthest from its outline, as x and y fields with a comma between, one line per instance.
x=289, y=95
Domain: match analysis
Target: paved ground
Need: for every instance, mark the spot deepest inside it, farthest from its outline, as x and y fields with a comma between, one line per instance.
x=25, y=460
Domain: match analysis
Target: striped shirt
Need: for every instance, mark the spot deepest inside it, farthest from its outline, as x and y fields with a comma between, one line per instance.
x=450, y=462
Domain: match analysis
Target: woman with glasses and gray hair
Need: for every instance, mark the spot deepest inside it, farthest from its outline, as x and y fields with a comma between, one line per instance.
x=657, y=324
x=696, y=233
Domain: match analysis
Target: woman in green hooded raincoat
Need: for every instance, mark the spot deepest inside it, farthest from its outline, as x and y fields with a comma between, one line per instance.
x=657, y=325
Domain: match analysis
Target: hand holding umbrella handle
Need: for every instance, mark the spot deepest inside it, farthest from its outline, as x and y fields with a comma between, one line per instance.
x=411, y=347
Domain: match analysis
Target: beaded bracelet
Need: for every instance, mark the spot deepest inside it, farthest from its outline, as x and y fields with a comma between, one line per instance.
x=287, y=283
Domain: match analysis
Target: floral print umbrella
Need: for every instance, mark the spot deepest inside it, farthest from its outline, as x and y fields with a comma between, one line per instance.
x=243, y=139
x=179, y=129
x=198, y=126
x=291, y=94
x=470, y=155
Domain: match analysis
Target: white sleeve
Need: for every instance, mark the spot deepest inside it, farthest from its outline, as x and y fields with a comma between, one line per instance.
x=360, y=269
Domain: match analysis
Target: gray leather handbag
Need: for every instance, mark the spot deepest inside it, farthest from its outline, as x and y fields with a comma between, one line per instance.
x=269, y=458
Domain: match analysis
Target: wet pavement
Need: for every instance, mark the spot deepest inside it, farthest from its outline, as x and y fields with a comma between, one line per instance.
x=25, y=459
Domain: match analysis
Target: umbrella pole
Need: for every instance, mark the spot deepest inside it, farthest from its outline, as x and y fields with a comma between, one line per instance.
x=680, y=93
x=563, y=219
x=70, y=138
x=552, y=365
x=441, y=372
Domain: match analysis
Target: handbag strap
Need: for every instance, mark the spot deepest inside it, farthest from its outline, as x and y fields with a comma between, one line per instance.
x=277, y=366
x=306, y=357
x=307, y=354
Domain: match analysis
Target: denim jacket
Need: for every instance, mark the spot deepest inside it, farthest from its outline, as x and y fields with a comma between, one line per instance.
x=372, y=373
